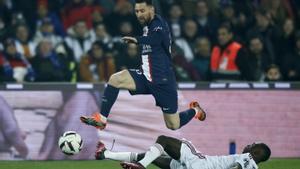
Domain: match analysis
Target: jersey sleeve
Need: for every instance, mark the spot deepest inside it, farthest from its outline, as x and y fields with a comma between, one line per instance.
x=247, y=162
x=155, y=37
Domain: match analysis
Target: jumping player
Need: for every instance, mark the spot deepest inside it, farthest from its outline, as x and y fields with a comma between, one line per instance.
x=156, y=76
x=171, y=153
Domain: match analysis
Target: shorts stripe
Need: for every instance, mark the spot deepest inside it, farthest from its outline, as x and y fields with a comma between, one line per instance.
x=193, y=150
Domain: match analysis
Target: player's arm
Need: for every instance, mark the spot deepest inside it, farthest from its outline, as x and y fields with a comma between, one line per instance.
x=236, y=166
x=154, y=38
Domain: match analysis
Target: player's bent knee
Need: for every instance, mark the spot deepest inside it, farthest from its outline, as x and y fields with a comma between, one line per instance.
x=121, y=80
x=172, y=126
x=161, y=139
x=115, y=80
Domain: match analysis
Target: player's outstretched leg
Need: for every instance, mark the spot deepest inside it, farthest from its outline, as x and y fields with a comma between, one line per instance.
x=120, y=80
x=163, y=145
x=195, y=111
x=99, y=154
x=200, y=113
x=103, y=153
x=127, y=165
x=177, y=120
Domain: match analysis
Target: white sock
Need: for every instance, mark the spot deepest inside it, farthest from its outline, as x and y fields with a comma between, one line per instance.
x=121, y=156
x=154, y=152
x=103, y=118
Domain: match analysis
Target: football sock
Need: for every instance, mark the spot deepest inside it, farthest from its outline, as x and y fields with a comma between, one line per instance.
x=121, y=156
x=153, y=153
x=108, y=99
x=186, y=116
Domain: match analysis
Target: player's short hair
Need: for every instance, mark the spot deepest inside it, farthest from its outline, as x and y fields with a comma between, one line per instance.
x=148, y=2
x=264, y=152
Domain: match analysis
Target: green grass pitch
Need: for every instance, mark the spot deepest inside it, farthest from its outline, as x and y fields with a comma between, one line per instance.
x=272, y=164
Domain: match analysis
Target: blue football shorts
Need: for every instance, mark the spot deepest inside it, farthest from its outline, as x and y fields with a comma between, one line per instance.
x=165, y=94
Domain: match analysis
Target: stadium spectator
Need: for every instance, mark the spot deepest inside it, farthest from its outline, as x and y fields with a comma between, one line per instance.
x=49, y=66
x=101, y=34
x=108, y=6
x=5, y=71
x=27, y=9
x=207, y=24
x=253, y=61
x=295, y=5
x=223, y=58
x=236, y=19
x=184, y=70
x=79, y=39
x=129, y=59
x=15, y=65
x=97, y=66
x=126, y=29
x=4, y=30
x=201, y=60
x=5, y=13
x=11, y=134
x=276, y=10
x=291, y=62
x=43, y=14
x=269, y=32
x=175, y=20
x=46, y=31
x=23, y=43
x=74, y=11
x=97, y=16
x=63, y=51
x=287, y=40
x=123, y=12
x=273, y=74
x=187, y=42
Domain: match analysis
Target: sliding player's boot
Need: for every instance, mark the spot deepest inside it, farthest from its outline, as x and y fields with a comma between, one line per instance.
x=99, y=154
x=200, y=113
x=127, y=165
x=95, y=120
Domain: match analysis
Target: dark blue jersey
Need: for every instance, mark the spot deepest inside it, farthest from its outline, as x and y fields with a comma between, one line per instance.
x=156, y=51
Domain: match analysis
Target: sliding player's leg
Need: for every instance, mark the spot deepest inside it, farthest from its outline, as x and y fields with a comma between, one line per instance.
x=103, y=153
x=119, y=80
x=163, y=145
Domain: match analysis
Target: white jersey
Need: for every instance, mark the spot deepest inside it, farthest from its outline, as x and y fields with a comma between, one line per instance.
x=190, y=158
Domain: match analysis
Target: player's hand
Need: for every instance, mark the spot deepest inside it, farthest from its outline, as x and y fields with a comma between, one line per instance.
x=128, y=39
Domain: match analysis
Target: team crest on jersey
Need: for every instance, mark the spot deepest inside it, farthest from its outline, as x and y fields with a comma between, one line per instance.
x=145, y=31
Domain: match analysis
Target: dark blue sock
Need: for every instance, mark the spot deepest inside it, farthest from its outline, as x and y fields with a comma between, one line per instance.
x=186, y=116
x=108, y=99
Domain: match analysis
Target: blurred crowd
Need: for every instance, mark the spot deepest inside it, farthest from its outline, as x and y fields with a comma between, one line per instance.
x=213, y=40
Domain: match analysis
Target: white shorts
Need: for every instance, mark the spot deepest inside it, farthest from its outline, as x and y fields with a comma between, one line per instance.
x=190, y=158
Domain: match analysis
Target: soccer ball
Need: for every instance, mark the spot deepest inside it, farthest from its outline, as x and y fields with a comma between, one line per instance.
x=70, y=143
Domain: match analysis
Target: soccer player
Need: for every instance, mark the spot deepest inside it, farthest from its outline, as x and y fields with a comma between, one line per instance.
x=156, y=76
x=171, y=153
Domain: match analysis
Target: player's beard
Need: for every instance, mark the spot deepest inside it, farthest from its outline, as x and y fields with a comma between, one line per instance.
x=145, y=20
